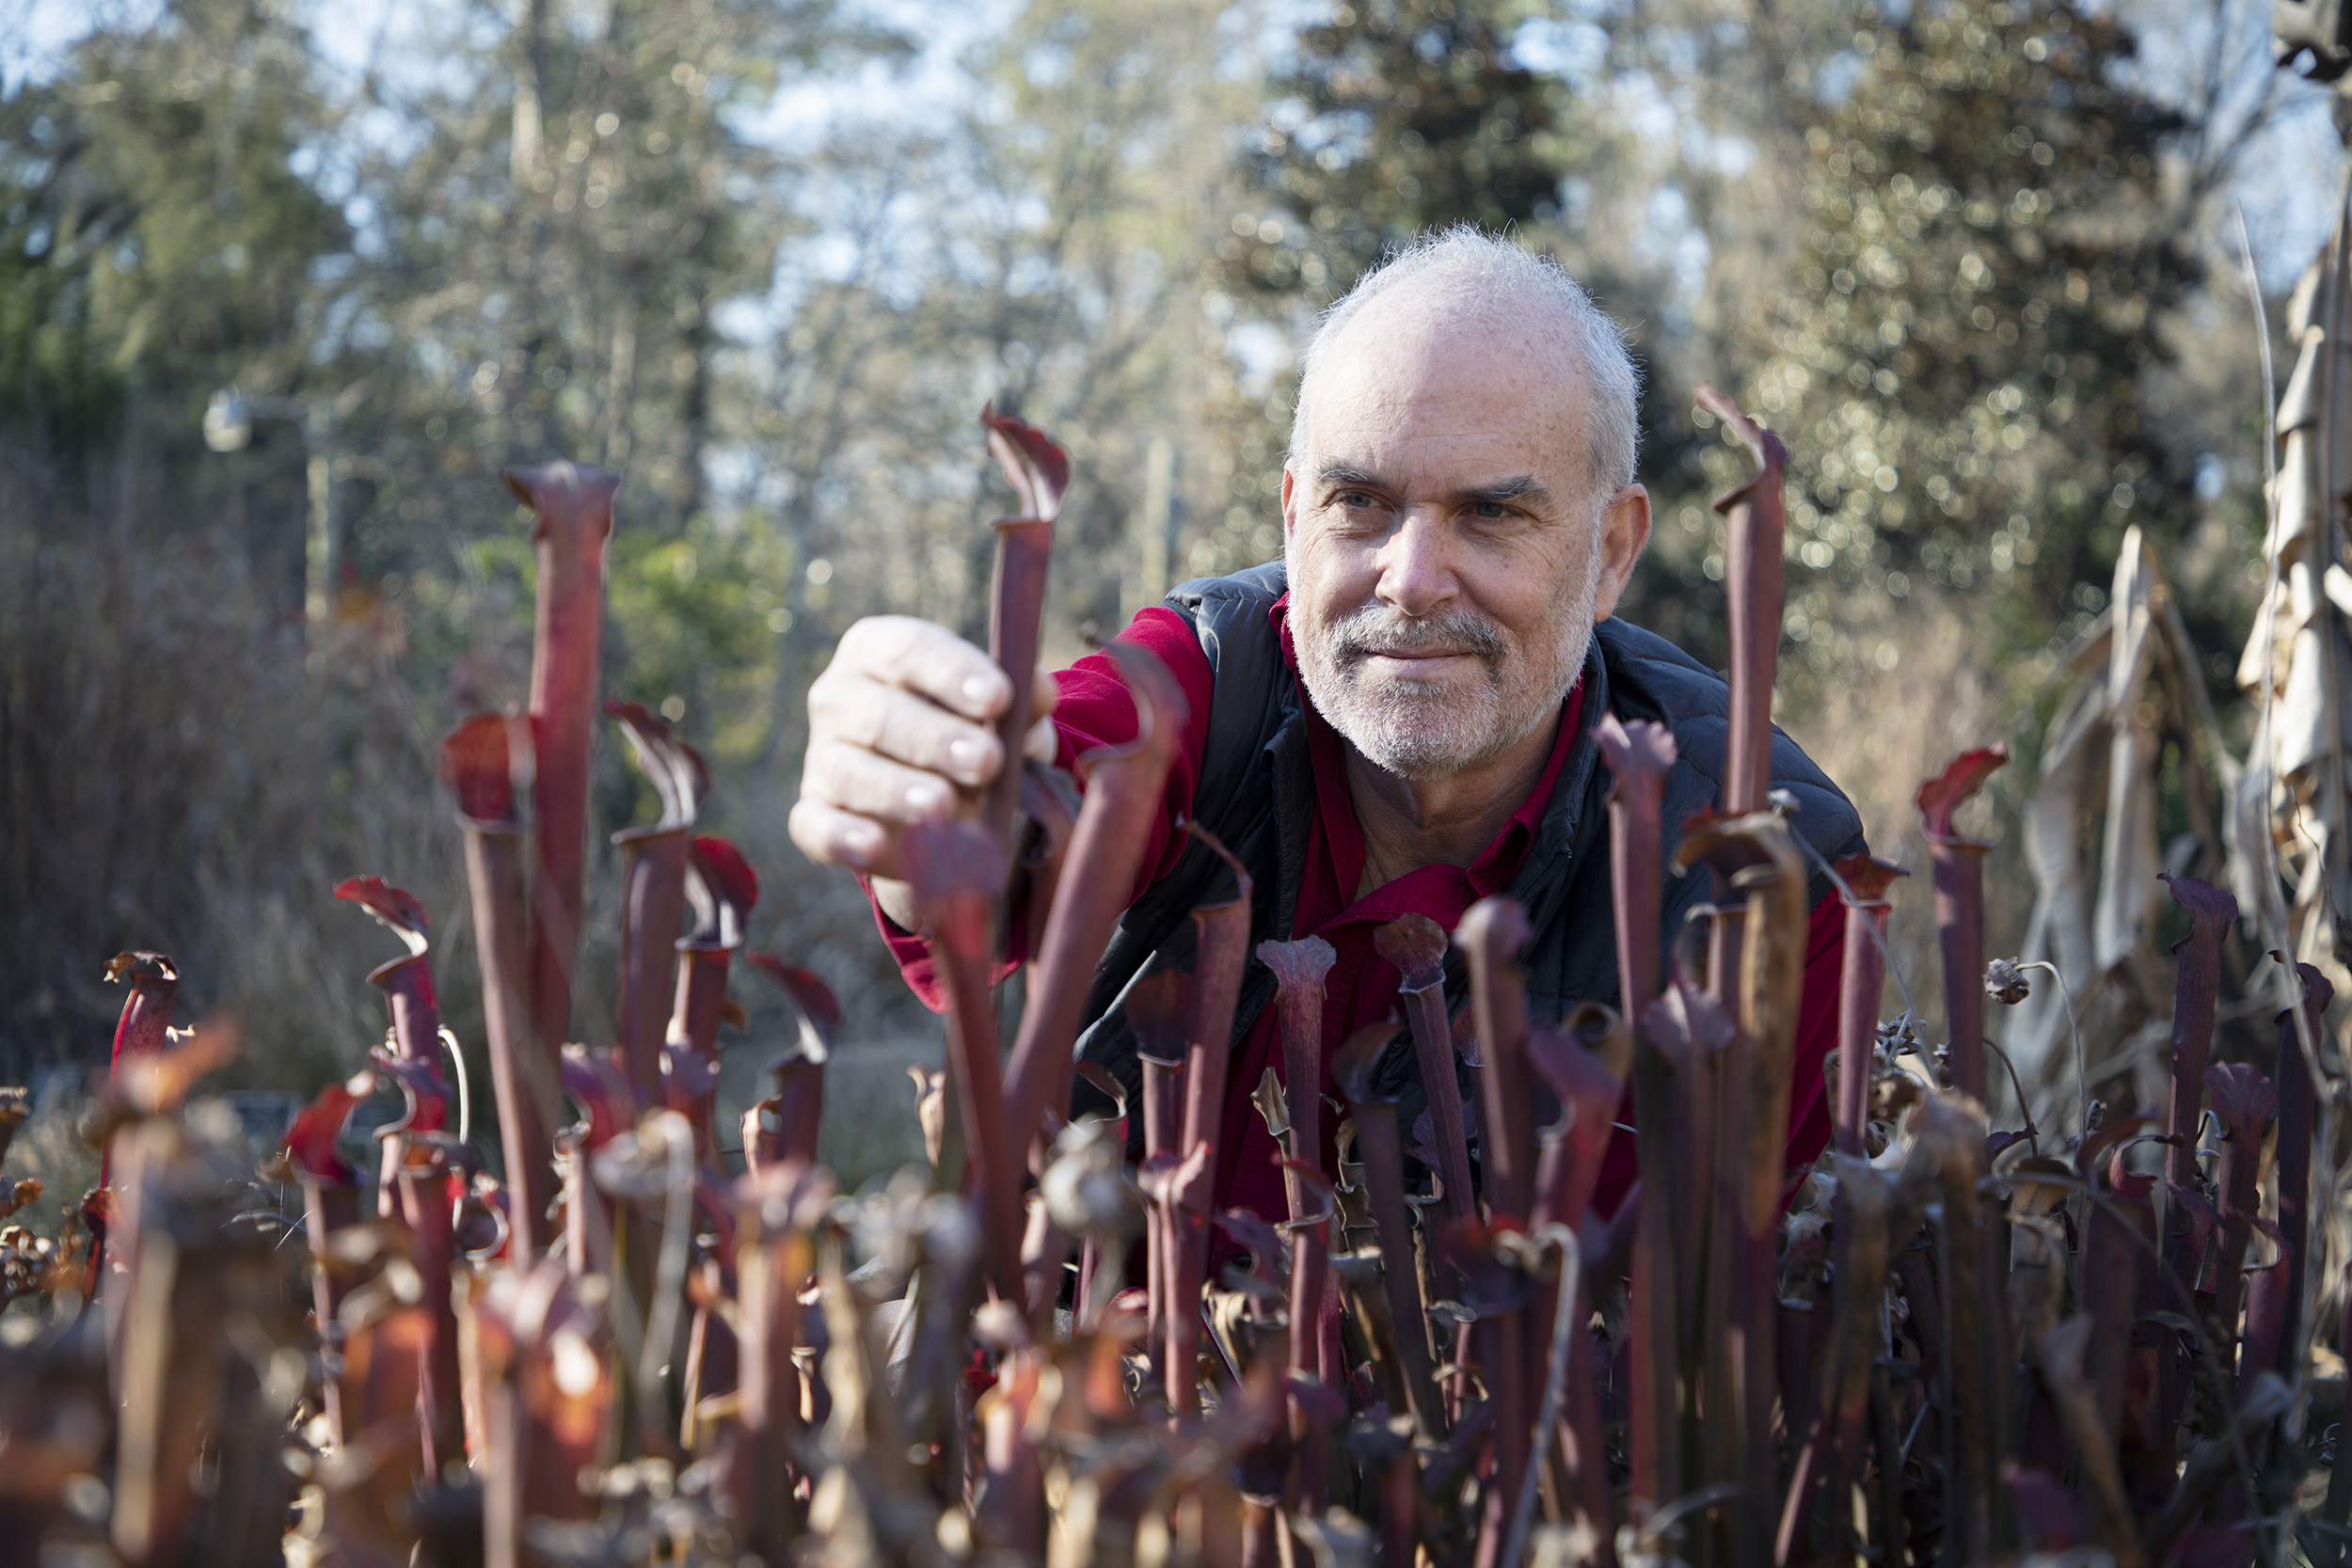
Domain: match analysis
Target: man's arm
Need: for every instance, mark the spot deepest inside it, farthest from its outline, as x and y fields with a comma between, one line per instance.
x=1095, y=708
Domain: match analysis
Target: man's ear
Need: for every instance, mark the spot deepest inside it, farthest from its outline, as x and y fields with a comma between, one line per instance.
x=1290, y=499
x=1624, y=529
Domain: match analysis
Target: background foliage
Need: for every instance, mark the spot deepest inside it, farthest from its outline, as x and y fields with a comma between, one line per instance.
x=768, y=259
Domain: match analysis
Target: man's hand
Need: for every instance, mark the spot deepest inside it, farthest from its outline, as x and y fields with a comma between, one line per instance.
x=901, y=725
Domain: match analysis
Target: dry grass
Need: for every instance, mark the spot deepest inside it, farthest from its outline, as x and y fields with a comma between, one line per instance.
x=180, y=770
x=174, y=775
x=1879, y=728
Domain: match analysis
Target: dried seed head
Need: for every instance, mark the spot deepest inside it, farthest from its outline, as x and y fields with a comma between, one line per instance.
x=1895, y=1039
x=905, y=1225
x=2005, y=982
x=1085, y=1188
x=642, y=1161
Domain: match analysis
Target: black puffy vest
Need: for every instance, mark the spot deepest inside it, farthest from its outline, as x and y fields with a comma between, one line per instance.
x=1255, y=792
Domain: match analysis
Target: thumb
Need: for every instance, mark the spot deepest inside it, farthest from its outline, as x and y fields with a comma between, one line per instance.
x=1042, y=742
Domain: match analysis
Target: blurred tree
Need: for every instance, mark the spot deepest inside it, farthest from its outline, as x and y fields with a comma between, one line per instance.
x=1393, y=117
x=585, y=199
x=517, y=254
x=1960, y=363
x=155, y=242
x=1045, y=267
x=559, y=247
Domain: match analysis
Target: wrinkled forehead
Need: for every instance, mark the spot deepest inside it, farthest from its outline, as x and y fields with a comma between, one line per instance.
x=1428, y=375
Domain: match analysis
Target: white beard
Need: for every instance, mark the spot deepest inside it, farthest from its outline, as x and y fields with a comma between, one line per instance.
x=1424, y=729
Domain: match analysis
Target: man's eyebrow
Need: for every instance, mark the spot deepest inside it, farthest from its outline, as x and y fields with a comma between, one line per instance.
x=1521, y=488
x=1349, y=473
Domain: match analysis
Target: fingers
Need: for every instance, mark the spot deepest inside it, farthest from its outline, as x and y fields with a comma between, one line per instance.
x=857, y=711
x=927, y=659
x=853, y=704
x=1040, y=743
x=830, y=836
x=871, y=785
x=855, y=803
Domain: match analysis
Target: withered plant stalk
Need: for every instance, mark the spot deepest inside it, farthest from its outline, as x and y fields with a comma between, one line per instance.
x=1960, y=906
x=571, y=522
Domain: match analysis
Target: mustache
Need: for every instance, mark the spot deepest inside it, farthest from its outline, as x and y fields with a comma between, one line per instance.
x=1377, y=629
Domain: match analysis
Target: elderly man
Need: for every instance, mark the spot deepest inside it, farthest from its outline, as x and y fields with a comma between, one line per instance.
x=1396, y=717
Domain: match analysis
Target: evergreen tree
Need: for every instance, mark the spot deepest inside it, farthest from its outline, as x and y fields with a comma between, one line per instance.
x=1960, y=362
x=1393, y=117
x=155, y=242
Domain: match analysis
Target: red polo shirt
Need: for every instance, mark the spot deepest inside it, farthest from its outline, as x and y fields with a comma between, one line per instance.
x=1094, y=710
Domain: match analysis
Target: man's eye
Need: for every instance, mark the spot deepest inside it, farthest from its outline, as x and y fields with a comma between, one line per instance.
x=1354, y=497
x=1489, y=509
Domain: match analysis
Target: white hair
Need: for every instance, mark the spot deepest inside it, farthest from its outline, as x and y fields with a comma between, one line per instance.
x=1491, y=270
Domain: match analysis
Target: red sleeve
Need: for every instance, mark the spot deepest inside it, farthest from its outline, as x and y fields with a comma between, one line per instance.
x=1093, y=708
x=1809, y=1109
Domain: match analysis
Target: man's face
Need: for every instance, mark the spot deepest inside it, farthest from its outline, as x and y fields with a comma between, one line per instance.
x=1448, y=552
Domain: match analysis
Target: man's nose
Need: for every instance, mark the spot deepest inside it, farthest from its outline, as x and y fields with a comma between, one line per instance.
x=1415, y=573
